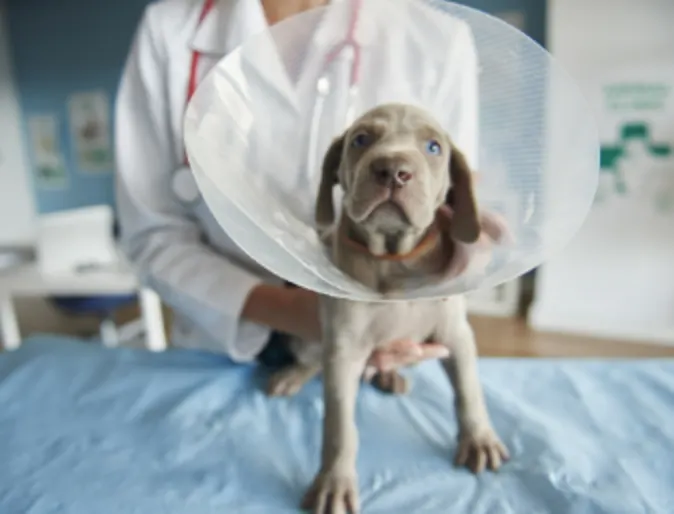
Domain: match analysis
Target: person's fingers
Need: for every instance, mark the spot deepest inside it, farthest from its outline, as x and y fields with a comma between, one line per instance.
x=428, y=351
x=403, y=347
x=387, y=363
x=434, y=351
x=387, y=360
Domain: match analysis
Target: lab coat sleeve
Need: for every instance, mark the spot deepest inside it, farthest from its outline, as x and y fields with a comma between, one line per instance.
x=158, y=235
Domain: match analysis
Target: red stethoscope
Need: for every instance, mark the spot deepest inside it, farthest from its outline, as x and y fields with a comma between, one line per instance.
x=194, y=64
x=183, y=184
x=348, y=43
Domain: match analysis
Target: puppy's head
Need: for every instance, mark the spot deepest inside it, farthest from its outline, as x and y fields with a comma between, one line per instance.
x=397, y=167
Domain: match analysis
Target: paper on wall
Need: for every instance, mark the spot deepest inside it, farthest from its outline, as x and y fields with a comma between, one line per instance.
x=49, y=165
x=637, y=132
x=90, y=130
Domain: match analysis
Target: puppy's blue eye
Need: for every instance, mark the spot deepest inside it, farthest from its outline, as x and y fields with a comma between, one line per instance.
x=433, y=147
x=360, y=141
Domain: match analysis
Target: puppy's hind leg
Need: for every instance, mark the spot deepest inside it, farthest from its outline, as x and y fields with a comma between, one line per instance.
x=289, y=381
x=390, y=382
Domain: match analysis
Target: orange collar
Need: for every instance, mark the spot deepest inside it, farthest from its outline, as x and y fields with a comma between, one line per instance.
x=429, y=241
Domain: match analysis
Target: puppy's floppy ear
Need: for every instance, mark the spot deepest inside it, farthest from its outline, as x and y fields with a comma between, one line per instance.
x=325, y=210
x=460, y=197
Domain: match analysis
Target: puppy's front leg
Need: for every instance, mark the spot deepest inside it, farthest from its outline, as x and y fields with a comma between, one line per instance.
x=335, y=488
x=479, y=445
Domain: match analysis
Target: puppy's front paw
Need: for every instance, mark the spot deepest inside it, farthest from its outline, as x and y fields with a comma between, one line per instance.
x=479, y=449
x=333, y=492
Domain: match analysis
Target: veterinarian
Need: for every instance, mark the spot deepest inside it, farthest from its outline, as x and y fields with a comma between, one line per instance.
x=222, y=300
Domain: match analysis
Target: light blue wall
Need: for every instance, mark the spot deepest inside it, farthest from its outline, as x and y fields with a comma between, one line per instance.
x=60, y=47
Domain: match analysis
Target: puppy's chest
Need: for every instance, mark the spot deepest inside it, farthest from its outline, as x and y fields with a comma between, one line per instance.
x=389, y=276
x=386, y=322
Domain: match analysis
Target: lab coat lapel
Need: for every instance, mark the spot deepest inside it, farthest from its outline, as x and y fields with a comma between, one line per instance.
x=233, y=22
x=230, y=25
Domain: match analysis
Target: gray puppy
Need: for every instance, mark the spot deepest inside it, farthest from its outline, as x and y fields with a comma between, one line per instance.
x=397, y=168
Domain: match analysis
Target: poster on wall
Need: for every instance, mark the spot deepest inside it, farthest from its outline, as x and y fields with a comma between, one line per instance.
x=90, y=131
x=637, y=143
x=49, y=165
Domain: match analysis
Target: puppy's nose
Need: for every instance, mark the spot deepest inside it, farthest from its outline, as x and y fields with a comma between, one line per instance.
x=392, y=172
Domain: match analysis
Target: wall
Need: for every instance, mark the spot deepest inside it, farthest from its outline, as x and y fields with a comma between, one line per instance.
x=62, y=47
x=17, y=207
x=616, y=279
x=527, y=15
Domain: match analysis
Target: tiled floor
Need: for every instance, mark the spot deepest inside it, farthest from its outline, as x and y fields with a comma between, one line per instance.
x=507, y=337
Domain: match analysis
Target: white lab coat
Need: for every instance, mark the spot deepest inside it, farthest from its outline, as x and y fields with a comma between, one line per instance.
x=168, y=232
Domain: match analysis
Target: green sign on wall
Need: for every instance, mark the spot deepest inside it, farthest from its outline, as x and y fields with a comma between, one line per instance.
x=635, y=110
x=612, y=153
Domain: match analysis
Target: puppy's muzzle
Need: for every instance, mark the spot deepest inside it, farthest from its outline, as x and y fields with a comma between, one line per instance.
x=392, y=171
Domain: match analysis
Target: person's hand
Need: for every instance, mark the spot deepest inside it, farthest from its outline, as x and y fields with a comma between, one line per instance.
x=400, y=354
